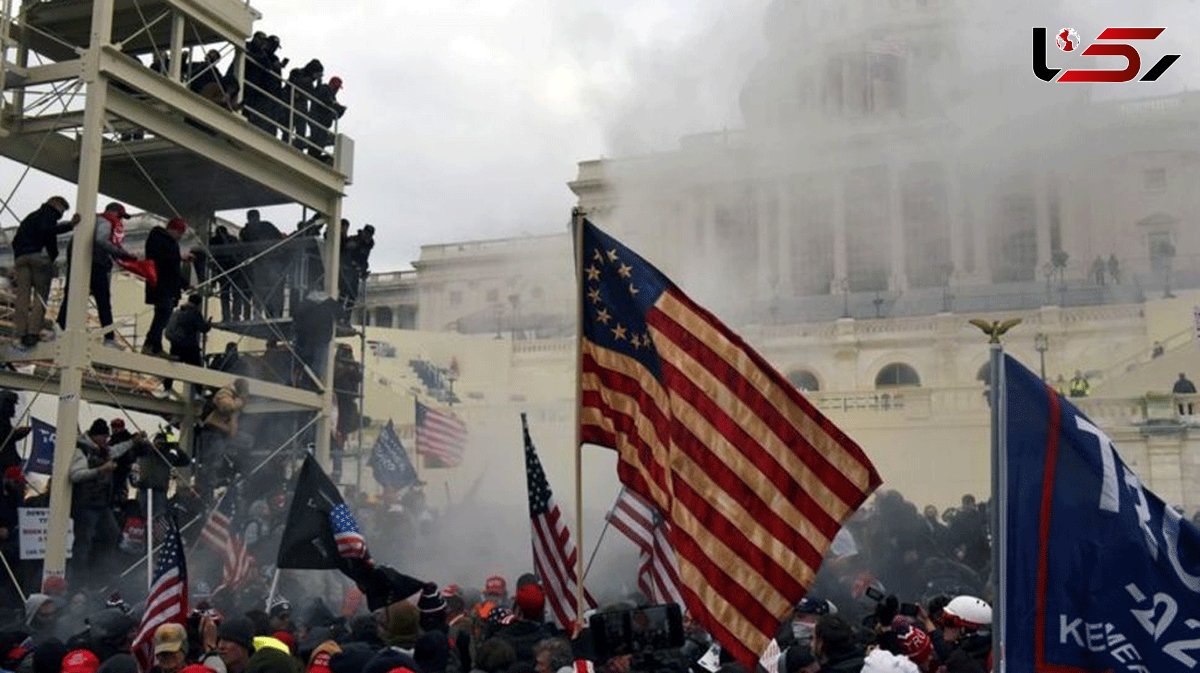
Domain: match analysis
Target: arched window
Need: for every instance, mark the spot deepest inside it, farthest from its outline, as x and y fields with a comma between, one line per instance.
x=804, y=380
x=895, y=375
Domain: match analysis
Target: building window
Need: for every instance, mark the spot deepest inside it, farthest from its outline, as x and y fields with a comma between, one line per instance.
x=1154, y=179
x=897, y=375
x=455, y=297
x=383, y=317
x=804, y=380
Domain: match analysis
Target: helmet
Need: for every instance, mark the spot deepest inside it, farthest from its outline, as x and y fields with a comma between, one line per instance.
x=967, y=612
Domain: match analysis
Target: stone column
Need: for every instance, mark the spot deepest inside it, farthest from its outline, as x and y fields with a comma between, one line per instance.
x=840, y=264
x=956, y=211
x=1041, y=195
x=766, y=213
x=898, y=280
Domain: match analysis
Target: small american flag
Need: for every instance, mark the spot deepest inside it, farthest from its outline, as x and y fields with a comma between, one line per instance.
x=349, y=539
x=441, y=437
x=168, y=601
x=237, y=565
x=554, y=554
x=658, y=574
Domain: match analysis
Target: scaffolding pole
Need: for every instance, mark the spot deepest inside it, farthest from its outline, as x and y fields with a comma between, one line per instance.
x=74, y=344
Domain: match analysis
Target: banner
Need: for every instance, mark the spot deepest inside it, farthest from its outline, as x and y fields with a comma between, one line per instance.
x=41, y=448
x=389, y=460
x=1101, y=574
x=33, y=525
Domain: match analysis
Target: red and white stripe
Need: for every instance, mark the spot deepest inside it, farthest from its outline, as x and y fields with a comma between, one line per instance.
x=441, y=435
x=554, y=559
x=753, y=480
x=658, y=574
x=167, y=602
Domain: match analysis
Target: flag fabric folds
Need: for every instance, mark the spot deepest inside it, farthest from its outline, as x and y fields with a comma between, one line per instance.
x=1101, y=573
x=658, y=575
x=441, y=437
x=389, y=460
x=320, y=531
x=554, y=553
x=168, y=599
x=219, y=534
x=753, y=481
x=41, y=447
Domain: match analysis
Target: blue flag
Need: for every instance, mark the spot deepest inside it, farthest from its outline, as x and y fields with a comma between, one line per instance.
x=389, y=461
x=1101, y=574
x=41, y=448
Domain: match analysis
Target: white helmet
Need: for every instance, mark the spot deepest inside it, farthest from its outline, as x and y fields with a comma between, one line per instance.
x=967, y=612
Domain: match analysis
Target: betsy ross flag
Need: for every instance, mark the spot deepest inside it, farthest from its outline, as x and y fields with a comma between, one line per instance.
x=554, y=554
x=658, y=575
x=168, y=600
x=321, y=531
x=441, y=437
x=237, y=565
x=753, y=481
x=389, y=460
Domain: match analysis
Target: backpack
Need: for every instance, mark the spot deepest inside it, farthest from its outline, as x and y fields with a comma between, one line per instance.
x=174, y=329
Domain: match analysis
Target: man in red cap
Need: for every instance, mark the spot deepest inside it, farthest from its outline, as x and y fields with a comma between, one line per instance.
x=162, y=248
x=106, y=249
x=530, y=627
x=325, y=109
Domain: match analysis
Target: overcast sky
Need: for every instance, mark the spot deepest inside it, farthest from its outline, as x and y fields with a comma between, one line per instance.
x=469, y=115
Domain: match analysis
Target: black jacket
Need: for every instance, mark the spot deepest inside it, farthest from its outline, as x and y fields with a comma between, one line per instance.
x=163, y=249
x=523, y=635
x=314, y=322
x=185, y=327
x=39, y=232
x=323, y=111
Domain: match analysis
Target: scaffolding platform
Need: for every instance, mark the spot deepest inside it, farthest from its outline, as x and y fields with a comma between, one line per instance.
x=81, y=102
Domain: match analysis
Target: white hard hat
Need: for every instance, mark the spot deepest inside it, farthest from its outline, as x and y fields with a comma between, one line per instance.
x=968, y=612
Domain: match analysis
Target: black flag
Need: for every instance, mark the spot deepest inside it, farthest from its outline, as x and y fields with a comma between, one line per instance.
x=320, y=531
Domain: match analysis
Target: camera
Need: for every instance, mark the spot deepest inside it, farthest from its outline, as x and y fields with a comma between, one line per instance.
x=640, y=631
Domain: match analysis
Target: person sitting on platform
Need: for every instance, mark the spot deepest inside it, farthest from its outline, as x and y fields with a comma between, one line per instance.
x=162, y=248
x=106, y=248
x=35, y=247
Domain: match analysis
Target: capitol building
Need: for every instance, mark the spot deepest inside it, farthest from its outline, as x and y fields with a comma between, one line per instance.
x=848, y=232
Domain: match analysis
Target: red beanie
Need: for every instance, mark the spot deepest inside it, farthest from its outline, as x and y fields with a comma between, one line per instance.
x=177, y=224
x=532, y=602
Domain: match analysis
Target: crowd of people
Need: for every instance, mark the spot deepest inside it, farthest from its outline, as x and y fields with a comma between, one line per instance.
x=900, y=592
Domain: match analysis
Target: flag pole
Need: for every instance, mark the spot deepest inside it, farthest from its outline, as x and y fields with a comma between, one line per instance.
x=577, y=218
x=999, y=500
x=274, y=586
x=149, y=539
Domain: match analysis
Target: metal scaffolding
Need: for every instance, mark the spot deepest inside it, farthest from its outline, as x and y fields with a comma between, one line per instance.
x=144, y=137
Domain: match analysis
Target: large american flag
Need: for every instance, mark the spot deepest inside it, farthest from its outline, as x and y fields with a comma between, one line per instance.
x=441, y=436
x=237, y=565
x=658, y=574
x=753, y=481
x=554, y=554
x=168, y=601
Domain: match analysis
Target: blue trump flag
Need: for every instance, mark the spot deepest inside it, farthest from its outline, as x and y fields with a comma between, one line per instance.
x=41, y=448
x=1101, y=574
x=389, y=460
